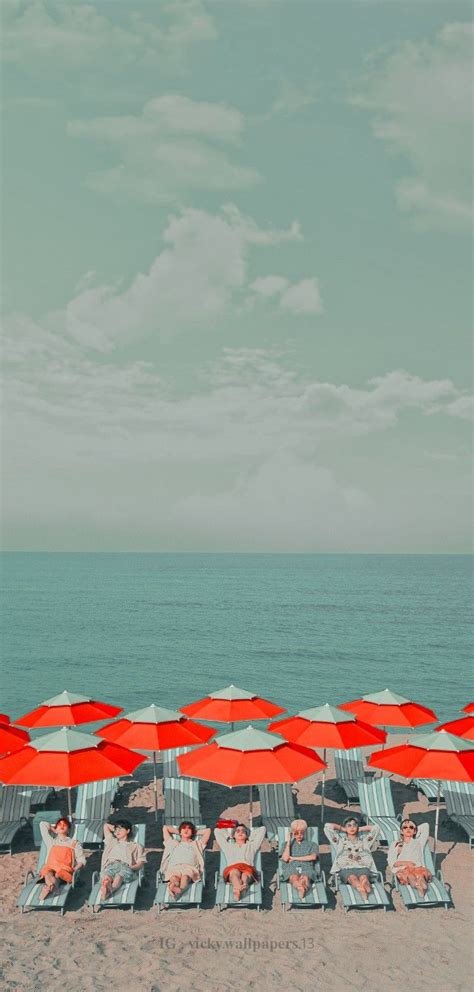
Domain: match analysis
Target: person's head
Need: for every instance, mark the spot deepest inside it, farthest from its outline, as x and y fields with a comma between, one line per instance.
x=241, y=833
x=298, y=829
x=351, y=825
x=123, y=829
x=408, y=829
x=187, y=830
x=62, y=826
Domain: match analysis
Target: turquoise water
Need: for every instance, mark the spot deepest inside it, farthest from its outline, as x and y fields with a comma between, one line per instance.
x=301, y=630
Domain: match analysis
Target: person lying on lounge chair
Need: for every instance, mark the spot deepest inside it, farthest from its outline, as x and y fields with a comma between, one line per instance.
x=239, y=850
x=353, y=861
x=299, y=856
x=405, y=856
x=183, y=859
x=121, y=859
x=64, y=855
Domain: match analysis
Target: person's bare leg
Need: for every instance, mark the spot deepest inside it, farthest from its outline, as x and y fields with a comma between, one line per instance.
x=365, y=880
x=356, y=883
x=105, y=887
x=173, y=884
x=49, y=885
x=236, y=882
x=184, y=883
x=117, y=882
x=245, y=881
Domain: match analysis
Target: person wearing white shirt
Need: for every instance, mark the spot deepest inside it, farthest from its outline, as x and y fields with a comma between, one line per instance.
x=406, y=856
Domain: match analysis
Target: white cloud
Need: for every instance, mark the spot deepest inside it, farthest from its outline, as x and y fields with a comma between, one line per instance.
x=302, y=297
x=70, y=36
x=205, y=253
x=172, y=146
x=421, y=97
x=268, y=286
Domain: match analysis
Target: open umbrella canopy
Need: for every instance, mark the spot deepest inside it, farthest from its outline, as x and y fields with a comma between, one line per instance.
x=248, y=757
x=388, y=709
x=468, y=708
x=156, y=729
x=4, y=718
x=11, y=738
x=327, y=726
x=438, y=755
x=461, y=728
x=231, y=705
x=67, y=758
x=68, y=709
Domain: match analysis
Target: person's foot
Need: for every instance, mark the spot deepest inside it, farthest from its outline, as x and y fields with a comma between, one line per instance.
x=237, y=892
x=47, y=891
x=421, y=891
x=105, y=891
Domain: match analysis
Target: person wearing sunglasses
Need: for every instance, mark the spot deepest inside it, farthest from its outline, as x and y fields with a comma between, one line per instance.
x=353, y=861
x=405, y=856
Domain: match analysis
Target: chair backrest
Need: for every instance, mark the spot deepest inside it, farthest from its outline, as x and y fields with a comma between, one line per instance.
x=15, y=802
x=312, y=834
x=94, y=800
x=181, y=799
x=459, y=798
x=376, y=797
x=349, y=764
x=277, y=800
x=170, y=765
x=43, y=853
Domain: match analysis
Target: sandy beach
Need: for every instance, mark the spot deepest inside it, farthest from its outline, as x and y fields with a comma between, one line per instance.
x=239, y=949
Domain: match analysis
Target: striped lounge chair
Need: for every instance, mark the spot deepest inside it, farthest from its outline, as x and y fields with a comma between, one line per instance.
x=40, y=796
x=29, y=898
x=181, y=800
x=350, y=771
x=317, y=895
x=376, y=804
x=126, y=895
x=15, y=803
x=436, y=893
x=429, y=788
x=277, y=807
x=170, y=765
x=225, y=898
x=93, y=806
x=351, y=899
x=459, y=798
x=192, y=896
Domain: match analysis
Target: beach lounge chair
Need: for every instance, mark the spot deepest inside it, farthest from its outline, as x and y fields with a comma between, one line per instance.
x=289, y=897
x=181, y=800
x=225, y=898
x=459, y=797
x=40, y=796
x=126, y=895
x=192, y=896
x=29, y=897
x=351, y=899
x=436, y=893
x=428, y=786
x=350, y=771
x=376, y=804
x=15, y=803
x=277, y=807
x=170, y=765
x=93, y=806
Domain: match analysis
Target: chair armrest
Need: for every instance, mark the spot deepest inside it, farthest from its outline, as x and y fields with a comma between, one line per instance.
x=95, y=877
x=141, y=875
x=30, y=876
x=75, y=877
x=322, y=877
x=216, y=878
x=159, y=876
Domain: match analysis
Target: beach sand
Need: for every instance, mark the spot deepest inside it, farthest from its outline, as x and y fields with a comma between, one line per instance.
x=239, y=949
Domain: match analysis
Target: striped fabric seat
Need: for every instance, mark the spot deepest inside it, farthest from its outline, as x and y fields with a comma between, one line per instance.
x=93, y=806
x=29, y=898
x=317, y=895
x=277, y=807
x=376, y=803
x=181, y=800
x=350, y=771
x=429, y=788
x=170, y=765
x=459, y=798
x=40, y=796
x=192, y=896
x=436, y=893
x=15, y=803
x=126, y=895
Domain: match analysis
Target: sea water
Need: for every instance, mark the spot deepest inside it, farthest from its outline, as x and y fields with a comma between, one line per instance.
x=301, y=630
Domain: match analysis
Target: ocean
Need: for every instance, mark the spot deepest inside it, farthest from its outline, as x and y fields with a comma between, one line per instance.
x=301, y=630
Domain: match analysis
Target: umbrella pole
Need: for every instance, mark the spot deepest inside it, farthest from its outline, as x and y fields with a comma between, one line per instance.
x=436, y=823
x=155, y=785
x=323, y=787
x=251, y=807
x=69, y=804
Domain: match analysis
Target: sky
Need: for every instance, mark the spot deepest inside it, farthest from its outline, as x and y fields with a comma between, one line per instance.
x=236, y=274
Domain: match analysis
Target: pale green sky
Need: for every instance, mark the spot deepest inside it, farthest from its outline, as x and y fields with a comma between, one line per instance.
x=236, y=275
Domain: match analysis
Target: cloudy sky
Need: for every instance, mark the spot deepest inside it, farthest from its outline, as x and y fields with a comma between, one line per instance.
x=236, y=275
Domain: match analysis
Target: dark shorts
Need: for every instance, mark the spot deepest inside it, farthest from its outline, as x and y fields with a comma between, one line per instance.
x=358, y=872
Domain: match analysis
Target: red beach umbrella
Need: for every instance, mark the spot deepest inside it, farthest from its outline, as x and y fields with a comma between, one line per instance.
x=469, y=708
x=155, y=729
x=231, y=705
x=327, y=727
x=461, y=728
x=11, y=738
x=438, y=755
x=4, y=718
x=67, y=758
x=387, y=709
x=68, y=709
x=250, y=757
